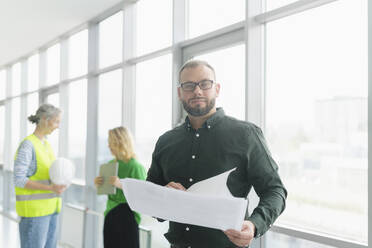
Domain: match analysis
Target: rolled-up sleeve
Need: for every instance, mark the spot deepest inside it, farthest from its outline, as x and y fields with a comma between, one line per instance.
x=22, y=163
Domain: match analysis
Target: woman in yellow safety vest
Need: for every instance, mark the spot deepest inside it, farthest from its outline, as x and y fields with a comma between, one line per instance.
x=38, y=201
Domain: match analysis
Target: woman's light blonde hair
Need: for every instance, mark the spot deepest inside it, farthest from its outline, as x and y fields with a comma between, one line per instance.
x=121, y=145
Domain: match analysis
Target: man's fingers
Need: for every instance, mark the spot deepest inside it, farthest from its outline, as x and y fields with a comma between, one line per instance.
x=239, y=238
x=237, y=234
x=175, y=186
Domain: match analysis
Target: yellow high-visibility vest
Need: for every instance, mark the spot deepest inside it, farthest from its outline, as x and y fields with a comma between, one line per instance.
x=36, y=203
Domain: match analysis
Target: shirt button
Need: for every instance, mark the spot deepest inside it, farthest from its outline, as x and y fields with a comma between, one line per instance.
x=187, y=229
x=193, y=156
x=197, y=135
x=190, y=180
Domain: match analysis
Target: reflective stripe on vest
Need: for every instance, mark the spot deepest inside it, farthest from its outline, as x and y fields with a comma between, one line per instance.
x=45, y=182
x=36, y=197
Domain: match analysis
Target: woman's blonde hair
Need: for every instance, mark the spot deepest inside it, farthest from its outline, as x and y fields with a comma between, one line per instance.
x=121, y=144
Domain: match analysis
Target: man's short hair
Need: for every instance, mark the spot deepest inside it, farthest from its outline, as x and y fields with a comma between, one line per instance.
x=195, y=63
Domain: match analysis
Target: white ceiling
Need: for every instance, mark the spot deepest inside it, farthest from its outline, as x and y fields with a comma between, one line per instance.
x=26, y=25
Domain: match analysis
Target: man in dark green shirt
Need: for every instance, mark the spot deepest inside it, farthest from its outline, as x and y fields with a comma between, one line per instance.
x=210, y=143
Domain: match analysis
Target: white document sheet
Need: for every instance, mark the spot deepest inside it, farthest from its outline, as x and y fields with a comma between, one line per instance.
x=207, y=203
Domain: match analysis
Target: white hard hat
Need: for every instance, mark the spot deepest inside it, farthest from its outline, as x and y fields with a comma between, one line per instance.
x=62, y=171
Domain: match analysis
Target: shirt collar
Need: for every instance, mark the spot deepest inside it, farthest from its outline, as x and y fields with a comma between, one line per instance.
x=210, y=122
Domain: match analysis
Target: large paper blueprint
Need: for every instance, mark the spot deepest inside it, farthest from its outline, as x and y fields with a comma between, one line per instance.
x=207, y=203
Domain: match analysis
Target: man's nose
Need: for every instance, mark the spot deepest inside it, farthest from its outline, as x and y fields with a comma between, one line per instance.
x=197, y=89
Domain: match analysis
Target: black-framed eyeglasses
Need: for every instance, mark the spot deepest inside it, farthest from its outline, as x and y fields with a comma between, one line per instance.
x=205, y=84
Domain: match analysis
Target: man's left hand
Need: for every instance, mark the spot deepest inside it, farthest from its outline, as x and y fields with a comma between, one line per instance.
x=244, y=237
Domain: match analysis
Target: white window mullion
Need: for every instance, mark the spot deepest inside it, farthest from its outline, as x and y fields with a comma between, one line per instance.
x=290, y=9
x=179, y=35
x=91, y=225
x=42, y=74
x=8, y=142
x=8, y=120
x=254, y=65
x=63, y=96
x=254, y=97
x=24, y=82
x=369, y=123
x=129, y=70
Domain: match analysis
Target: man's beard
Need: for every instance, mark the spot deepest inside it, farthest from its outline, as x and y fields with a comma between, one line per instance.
x=198, y=111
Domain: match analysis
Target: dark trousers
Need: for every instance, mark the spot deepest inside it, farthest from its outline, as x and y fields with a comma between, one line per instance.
x=120, y=229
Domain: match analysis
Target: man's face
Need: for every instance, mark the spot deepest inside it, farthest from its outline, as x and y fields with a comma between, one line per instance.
x=198, y=102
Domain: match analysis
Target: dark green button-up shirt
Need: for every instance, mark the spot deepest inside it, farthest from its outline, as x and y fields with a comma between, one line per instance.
x=187, y=156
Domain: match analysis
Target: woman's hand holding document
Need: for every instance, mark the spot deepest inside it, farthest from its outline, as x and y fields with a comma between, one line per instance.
x=207, y=203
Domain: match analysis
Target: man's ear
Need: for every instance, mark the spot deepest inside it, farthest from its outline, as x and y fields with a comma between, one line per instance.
x=218, y=87
x=179, y=92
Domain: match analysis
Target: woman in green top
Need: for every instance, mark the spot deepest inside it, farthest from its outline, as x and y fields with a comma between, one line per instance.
x=121, y=223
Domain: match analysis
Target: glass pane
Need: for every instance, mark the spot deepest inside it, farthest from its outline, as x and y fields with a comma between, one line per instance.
x=208, y=15
x=54, y=137
x=15, y=127
x=78, y=54
x=53, y=64
x=153, y=104
x=53, y=99
x=1, y=187
x=33, y=73
x=77, y=126
x=12, y=197
x=278, y=240
x=154, y=28
x=111, y=40
x=109, y=110
x=316, y=116
x=2, y=133
x=2, y=84
x=231, y=77
x=16, y=79
x=32, y=106
x=75, y=195
x=273, y=4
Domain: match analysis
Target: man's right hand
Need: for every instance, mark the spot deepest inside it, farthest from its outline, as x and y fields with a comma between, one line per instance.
x=175, y=185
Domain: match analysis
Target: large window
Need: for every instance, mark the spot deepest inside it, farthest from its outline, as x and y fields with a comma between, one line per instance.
x=153, y=104
x=208, y=15
x=2, y=84
x=33, y=73
x=77, y=125
x=154, y=28
x=16, y=79
x=78, y=54
x=230, y=74
x=53, y=64
x=109, y=110
x=111, y=40
x=316, y=116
